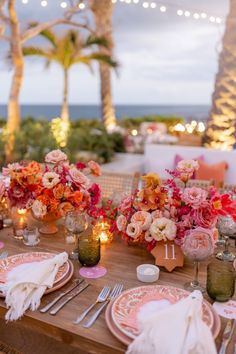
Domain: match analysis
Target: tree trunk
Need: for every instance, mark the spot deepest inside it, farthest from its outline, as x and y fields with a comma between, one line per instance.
x=221, y=125
x=102, y=10
x=13, y=120
x=65, y=109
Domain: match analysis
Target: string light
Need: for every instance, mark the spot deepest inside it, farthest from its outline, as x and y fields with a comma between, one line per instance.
x=64, y=4
x=44, y=3
x=147, y=4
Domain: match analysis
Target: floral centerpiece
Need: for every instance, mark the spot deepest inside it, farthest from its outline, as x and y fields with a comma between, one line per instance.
x=171, y=211
x=52, y=189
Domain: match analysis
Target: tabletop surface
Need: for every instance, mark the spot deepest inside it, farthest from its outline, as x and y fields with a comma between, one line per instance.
x=121, y=262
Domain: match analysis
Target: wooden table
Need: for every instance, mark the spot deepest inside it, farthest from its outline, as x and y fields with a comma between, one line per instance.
x=43, y=333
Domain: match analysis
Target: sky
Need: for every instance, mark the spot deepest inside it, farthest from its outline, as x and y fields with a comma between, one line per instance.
x=164, y=58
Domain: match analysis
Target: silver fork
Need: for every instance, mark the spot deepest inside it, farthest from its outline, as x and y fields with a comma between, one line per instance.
x=101, y=298
x=116, y=291
x=3, y=255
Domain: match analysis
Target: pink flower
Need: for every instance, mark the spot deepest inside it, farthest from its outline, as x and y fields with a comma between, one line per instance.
x=121, y=223
x=134, y=230
x=55, y=157
x=50, y=179
x=78, y=178
x=204, y=217
x=163, y=229
x=143, y=218
x=156, y=214
x=6, y=171
x=198, y=244
x=186, y=169
x=95, y=168
x=194, y=196
x=126, y=204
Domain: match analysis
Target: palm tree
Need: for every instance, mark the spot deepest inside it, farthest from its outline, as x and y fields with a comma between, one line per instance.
x=220, y=132
x=68, y=50
x=102, y=11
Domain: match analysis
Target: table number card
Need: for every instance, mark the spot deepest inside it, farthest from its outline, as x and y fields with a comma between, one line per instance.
x=168, y=255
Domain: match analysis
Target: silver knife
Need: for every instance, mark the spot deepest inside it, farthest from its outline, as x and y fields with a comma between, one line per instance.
x=69, y=298
x=227, y=335
x=53, y=302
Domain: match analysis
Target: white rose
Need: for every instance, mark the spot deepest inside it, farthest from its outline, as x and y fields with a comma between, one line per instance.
x=163, y=229
x=55, y=157
x=50, y=179
x=39, y=209
x=134, y=230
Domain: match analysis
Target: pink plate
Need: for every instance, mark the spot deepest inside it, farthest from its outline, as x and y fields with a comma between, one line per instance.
x=130, y=305
x=127, y=340
x=7, y=264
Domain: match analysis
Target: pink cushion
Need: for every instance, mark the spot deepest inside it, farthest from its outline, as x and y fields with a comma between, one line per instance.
x=179, y=158
x=215, y=172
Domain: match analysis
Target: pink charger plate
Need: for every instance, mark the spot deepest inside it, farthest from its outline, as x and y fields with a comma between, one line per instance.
x=63, y=275
x=126, y=307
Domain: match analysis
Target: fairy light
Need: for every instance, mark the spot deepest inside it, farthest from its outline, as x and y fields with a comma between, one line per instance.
x=218, y=20
x=203, y=15
x=113, y=1
x=212, y=19
x=153, y=5
x=180, y=12
x=146, y=5
x=187, y=13
x=24, y=2
x=81, y=6
x=135, y=1
x=163, y=8
x=64, y=4
x=44, y=3
x=196, y=16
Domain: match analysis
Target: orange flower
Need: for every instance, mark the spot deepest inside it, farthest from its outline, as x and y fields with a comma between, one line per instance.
x=65, y=207
x=151, y=180
x=58, y=191
x=76, y=197
x=149, y=199
x=33, y=168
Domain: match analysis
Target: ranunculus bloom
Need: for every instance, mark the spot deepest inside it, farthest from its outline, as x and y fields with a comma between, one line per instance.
x=204, y=217
x=194, y=196
x=121, y=223
x=60, y=191
x=78, y=178
x=50, y=179
x=55, y=157
x=76, y=197
x=39, y=209
x=95, y=168
x=151, y=180
x=163, y=229
x=143, y=218
x=134, y=230
x=198, y=244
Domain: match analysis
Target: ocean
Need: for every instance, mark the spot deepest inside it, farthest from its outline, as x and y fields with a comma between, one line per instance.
x=197, y=112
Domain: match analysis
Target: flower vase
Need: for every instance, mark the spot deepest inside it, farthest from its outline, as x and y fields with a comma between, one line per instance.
x=168, y=255
x=49, y=226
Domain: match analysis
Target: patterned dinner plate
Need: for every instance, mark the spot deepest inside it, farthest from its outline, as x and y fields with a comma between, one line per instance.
x=9, y=263
x=142, y=301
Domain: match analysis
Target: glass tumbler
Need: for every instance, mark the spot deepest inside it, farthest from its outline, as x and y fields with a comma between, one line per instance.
x=89, y=250
x=220, y=281
x=31, y=236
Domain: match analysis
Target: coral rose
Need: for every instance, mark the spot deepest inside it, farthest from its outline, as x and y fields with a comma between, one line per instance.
x=95, y=168
x=134, y=230
x=204, y=217
x=163, y=229
x=55, y=157
x=65, y=207
x=143, y=218
x=121, y=223
x=76, y=197
x=198, y=244
x=78, y=178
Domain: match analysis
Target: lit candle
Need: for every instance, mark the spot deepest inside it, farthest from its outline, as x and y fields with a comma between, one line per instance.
x=21, y=211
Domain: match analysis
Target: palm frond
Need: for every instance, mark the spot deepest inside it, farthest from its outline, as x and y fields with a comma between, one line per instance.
x=50, y=36
x=35, y=51
x=94, y=40
x=104, y=58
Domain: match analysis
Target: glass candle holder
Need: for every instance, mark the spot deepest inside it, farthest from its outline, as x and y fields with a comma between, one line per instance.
x=102, y=230
x=220, y=281
x=18, y=228
x=31, y=236
x=89, y=250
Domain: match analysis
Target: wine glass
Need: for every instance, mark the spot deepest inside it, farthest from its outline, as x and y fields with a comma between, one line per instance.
x=76, y=222
x=198, y=245
x=227, y=228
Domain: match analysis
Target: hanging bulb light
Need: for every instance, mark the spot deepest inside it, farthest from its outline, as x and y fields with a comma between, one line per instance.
x=163, y=9
x=146, y=5
x=180, y=12
x=81, y=6
x=153, y=5
x=203, y=15
x=187, y=13
x=63, y=4
x=196, y=16
x=44, y=3
x=24, y=2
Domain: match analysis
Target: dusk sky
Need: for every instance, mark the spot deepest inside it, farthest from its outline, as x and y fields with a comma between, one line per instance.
x=164, y=58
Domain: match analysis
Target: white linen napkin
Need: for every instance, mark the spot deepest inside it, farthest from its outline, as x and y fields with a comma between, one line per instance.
x=27, y=283
x=177, y=329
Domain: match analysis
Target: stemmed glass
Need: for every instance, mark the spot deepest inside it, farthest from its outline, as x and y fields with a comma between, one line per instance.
x=76, y=222
x=227, y=228
x=197, y=247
